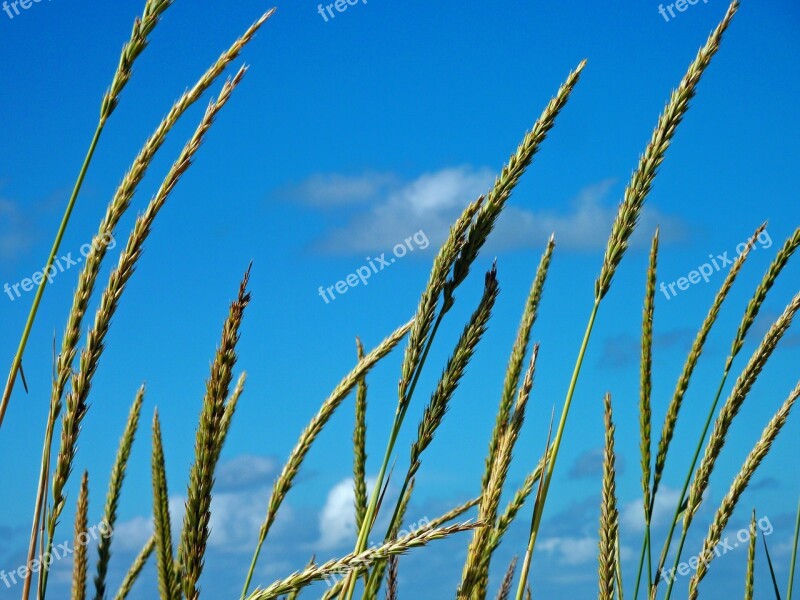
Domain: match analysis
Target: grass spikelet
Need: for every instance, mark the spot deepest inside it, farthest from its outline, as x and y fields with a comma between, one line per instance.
x=168, y=585
x=230, y=409
x=646, y=376
x=195, y=532
x=609, y=517
x=639, y=187
x=740, y=483
x=290, y=469
x=731, y=407
x=391, y=578
x=749, y=581
x=360, y=444
x=645, y=409
x=768, y=280
x=136, y=568
x=114, y=491
x=516, y=503
x=509, y=177
x=358, y=561
x=508, y=580
x=472, y=573
x=80, y=562
x=518, y=352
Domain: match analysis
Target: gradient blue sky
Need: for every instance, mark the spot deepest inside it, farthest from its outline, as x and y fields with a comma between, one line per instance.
x=345, y=138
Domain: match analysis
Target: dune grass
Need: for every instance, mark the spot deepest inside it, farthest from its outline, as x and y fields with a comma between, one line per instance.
x=180, y=569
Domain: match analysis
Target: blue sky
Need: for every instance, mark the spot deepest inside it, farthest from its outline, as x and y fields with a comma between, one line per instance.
x=345, y=138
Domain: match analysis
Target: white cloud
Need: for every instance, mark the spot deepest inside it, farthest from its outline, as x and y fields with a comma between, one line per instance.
x=631, y=515
x=245, y=471
x=429, y=203
x=337, y=521
x=339, y=190
x=571, y=551
x=434, y=200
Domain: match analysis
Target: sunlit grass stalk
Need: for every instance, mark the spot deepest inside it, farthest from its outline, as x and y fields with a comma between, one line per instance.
x=516, y=360
x=135, y=570
x=80, y=563
x=168, y=584
x=740, y=483
x=114, y=491
x=472, y=574
x=76, y=401
x=645, y=410
x=292, y=466
x=142, y=28
x=609, y=517
x=454, y=513
x=358, y=561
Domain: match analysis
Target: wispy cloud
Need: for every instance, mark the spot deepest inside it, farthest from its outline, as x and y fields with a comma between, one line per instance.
x=391, y=208
x=335, y=190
